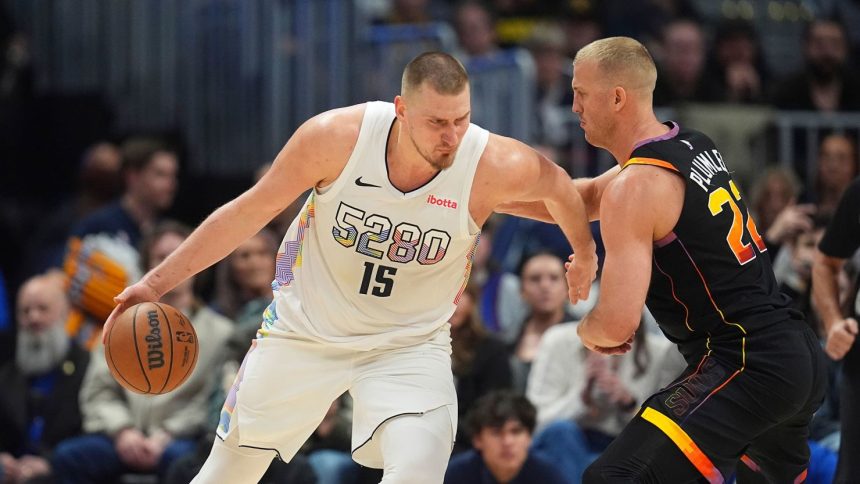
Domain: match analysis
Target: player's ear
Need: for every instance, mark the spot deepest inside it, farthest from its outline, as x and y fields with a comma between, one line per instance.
x=620, y=98
x=399, y=107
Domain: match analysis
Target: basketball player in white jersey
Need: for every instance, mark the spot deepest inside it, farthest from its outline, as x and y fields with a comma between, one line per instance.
x=368, y=274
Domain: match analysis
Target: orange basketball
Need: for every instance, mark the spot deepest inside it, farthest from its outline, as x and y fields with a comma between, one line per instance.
x=151, y=348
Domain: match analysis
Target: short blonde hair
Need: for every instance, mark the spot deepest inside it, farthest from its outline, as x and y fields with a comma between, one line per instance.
x=624, y=60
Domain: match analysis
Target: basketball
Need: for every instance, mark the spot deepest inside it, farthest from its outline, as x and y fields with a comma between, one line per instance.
x=151, y=348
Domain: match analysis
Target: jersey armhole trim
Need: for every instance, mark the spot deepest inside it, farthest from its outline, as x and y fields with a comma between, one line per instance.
x=467, y=223
x=365, y=134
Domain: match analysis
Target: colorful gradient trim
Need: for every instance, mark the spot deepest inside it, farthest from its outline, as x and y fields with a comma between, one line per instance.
x=650, y=161
x=226, y=416
x=469, y=256
x=290, y=259
x=695, y=455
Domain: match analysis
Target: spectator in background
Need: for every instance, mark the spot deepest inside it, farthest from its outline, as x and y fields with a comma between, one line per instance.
x=243, y=289
x=501, y=425
x=797, y=282
x=826, y=83
x=681, y=64
x=39, y=402
x=837, y=165
x=408, y=12
x=643, y=19
x=98, y=184
x=499, y=302
x=776, y=212
x=479, y=360
x=839, y=320
x=580, y=29
x=476, y=32
x=544, y=289
x=737, y=66
x=554, y=76
x=102, y=250
x=129, y=432
x=149, y=170
x=584, y=399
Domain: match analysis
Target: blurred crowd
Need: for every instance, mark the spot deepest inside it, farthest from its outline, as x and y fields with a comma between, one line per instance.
x=535, y=405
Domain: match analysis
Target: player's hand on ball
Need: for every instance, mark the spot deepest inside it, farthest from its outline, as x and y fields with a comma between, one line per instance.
x=581, y=271
x=134, y=294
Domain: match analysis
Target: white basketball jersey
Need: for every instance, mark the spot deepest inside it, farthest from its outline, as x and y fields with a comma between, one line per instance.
x=367, y=266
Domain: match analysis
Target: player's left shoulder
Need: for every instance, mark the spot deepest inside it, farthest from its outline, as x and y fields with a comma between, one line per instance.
x=642, y=186
x=503, y=153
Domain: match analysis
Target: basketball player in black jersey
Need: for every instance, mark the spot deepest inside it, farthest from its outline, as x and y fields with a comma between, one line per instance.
x=679, y=236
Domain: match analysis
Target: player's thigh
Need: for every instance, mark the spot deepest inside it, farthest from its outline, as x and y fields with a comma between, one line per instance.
x=642, y=453
x=405, y=381
x=282, y=392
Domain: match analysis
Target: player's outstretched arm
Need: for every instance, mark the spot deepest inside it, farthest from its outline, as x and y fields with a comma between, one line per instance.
x=628, y=218
x=314, y=155
x=520, y=174
x=590, y=189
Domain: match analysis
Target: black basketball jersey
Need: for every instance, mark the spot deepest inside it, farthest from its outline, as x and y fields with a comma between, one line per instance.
x=712, y=282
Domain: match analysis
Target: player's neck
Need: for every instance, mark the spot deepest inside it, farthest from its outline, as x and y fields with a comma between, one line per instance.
x=645, y=127
x=407, y=169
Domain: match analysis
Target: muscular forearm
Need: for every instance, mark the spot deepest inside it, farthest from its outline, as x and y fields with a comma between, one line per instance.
x=566, y=207
x=532, y=210
x=214, y=239
x=604, y=331
x=825, y=292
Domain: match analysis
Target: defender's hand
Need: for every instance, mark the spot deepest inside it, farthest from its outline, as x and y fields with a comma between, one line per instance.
x=581, y=271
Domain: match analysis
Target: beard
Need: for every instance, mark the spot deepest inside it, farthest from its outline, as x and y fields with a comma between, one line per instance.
x=440, y=162
x=39, y=352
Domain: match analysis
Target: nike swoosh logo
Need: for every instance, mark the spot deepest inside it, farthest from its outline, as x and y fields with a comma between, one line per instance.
x=363, y=184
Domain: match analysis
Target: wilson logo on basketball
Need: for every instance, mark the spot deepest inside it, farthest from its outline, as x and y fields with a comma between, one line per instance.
x=154, y=355
x=442, y=202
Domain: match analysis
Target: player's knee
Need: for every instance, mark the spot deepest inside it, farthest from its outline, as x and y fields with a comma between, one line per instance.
x=419, y=465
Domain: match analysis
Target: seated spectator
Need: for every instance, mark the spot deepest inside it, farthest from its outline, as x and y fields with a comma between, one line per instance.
x=39, y=402
x=580, y=29
x=479, y=360
x=501, y=425
x=797, y=259
x=407, y=12
x=499, y=302
x=738, y=68
x=681, y=65
x=837, y=165
x=544, y=289
x=243, y=289
x=98, y=184
x=102, y=251
x=775, y=209
x=584, y=399
x=128, y=432
x=553, y=96
x=826, y=81
x=476, y=33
